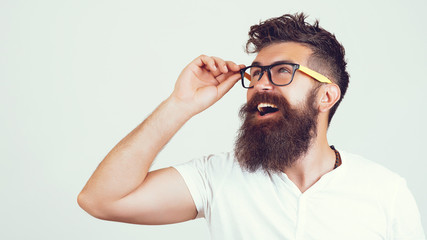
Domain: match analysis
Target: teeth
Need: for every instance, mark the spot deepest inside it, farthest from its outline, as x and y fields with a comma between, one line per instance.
x=262, y=105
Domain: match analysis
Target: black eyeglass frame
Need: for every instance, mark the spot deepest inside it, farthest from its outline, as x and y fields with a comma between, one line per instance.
x=295, y=66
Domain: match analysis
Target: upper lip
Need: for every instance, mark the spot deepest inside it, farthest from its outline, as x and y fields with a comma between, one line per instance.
x=263, y=105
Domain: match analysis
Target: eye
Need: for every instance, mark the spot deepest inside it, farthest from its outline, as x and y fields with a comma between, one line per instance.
x=283, y=70
x=255, y=72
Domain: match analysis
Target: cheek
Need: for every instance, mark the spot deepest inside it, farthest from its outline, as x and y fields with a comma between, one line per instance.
x=250, y=92
x=298, y=92
x=293, y=96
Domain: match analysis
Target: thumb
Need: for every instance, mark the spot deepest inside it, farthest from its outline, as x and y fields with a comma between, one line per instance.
x=227, y=84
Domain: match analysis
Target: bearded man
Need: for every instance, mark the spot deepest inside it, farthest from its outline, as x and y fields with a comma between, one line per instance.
x=283, y=180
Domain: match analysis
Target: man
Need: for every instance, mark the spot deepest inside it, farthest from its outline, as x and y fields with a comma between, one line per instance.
x=283, y=180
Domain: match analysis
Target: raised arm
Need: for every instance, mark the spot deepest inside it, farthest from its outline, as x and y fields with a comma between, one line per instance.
x=121, y=188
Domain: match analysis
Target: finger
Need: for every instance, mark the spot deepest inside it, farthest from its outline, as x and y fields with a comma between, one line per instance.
x=225, y=76
x=233, y=66
x=216, y=66
x=227, y=84
x=204, y=61
x=234, y=69
x=221, y=64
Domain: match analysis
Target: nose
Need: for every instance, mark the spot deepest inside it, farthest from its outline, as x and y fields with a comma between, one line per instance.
x=263, y=83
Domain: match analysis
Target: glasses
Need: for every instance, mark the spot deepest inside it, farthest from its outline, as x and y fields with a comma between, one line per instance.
x=279, y=74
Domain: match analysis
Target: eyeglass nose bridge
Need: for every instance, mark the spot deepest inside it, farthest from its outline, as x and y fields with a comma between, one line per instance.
x=261, y=73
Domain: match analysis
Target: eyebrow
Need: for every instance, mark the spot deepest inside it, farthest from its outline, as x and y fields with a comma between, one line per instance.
x=255, y=63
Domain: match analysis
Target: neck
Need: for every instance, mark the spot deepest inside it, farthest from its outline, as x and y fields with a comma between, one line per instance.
x=318, y=160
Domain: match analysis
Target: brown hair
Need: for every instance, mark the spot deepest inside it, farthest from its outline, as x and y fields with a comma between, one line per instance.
x=328, y=53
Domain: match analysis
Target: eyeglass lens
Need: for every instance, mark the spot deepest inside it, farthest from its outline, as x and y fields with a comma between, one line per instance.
x=280, y=74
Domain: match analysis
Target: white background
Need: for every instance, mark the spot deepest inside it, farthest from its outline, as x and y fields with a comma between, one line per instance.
x=77, y=76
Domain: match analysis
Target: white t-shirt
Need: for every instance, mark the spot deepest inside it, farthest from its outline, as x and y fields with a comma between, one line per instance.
x=358, y=200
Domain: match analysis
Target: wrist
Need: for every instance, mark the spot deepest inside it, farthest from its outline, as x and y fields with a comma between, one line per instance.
x=179, y=108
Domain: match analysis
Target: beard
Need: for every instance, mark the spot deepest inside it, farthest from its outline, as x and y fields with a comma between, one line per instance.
x=276, y=143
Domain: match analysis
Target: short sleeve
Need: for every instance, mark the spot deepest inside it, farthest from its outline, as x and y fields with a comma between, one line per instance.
x=406, y=222
x=194, y=175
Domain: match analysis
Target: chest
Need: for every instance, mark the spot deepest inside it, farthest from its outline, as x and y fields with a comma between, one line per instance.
x=269, y=210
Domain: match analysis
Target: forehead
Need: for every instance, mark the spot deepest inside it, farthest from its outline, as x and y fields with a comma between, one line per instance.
x=288, y=51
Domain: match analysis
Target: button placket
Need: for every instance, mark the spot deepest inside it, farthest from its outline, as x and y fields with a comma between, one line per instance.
x=301, y=217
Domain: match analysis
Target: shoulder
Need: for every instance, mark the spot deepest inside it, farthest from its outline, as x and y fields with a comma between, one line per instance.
x=359, y=164
x=369, y=174
x=215, y=162
x=213, y=165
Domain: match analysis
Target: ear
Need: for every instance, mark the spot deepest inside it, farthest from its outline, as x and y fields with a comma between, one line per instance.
x=329, y=95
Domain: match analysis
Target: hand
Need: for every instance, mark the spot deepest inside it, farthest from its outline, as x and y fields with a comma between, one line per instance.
x=204, y=81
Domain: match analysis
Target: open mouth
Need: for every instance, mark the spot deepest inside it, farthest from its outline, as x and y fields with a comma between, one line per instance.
x=266, y=108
